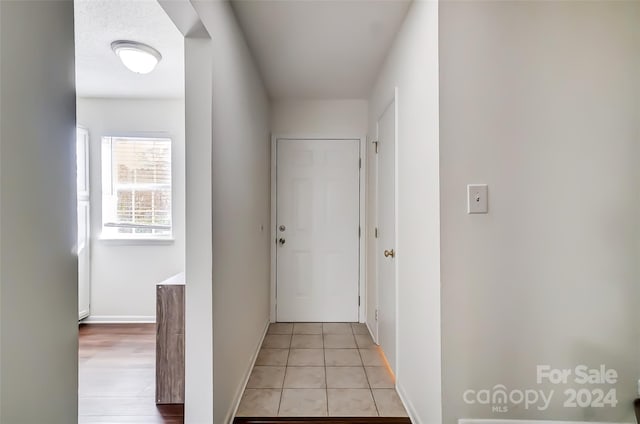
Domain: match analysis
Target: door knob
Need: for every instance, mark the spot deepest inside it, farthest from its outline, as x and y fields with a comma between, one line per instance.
x=388, y=253
x=281, y=241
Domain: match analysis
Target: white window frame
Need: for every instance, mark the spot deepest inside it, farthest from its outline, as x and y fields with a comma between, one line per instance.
x=109, y=188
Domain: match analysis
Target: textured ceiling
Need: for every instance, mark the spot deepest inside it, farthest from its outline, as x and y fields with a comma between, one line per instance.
x=319, y=49
x=99, y=72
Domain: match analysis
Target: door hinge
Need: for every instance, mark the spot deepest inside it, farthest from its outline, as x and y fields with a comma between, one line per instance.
x=376, y=315
x=376, y=143
x=376, y=232
x=359, y=232
x=360, y=163
x=358, y=300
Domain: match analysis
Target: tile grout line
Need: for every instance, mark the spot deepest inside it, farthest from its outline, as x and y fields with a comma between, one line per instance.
x=285, y=373
x=375, y=404
x=324, y=357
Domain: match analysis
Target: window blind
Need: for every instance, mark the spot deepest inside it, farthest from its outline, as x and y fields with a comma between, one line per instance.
x=139, y=186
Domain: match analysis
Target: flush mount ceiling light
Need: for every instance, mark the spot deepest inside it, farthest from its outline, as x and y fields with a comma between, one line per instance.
x=137, y=57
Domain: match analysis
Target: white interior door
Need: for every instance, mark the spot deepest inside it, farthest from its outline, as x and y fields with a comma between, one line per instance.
x=387, y=235
x=84, y=261
x=84, y=232
x=318, y=224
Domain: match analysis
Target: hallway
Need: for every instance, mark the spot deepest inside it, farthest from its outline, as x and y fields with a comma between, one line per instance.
x=320, y=369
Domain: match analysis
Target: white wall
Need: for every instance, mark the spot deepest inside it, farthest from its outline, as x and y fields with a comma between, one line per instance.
x=199, y=258
x=323, y=118
x=38, y=278
x=240, y=207
x=124, y=274
x=539, y=100
x=198, y=193
x=412, y=66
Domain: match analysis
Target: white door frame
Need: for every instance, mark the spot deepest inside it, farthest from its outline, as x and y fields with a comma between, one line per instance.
x=362, y=204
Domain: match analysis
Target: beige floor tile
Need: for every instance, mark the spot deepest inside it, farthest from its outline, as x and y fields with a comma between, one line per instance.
x=346, y=378
x=306, y=357
x=342, y=357
x=372, y=357
x=303, y=403
x=359, y=328
x=307, y=328
x=379, y=378
x=388, y=403
x=307, y=341
x=364, y=341
x=351, y=402
x=305, y=378
x=280, y=328
x=337, y=328
x=266, y=378
x=277, y=341
x=273, y=357
x=259, y=403
x=339, y=341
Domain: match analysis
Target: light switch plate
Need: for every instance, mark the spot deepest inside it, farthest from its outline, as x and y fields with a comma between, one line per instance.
x=477, y=201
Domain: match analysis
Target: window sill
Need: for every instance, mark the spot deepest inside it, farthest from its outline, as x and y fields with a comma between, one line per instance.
x=137, y=241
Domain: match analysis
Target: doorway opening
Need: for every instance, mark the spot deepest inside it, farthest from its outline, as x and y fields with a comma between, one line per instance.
x=131, y=208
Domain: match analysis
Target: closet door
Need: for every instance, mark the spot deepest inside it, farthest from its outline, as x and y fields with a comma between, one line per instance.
x=387, y=274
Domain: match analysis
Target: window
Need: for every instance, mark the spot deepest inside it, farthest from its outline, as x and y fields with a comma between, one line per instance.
x=136, y=187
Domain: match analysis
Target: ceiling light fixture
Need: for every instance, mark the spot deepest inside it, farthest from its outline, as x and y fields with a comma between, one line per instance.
x=137, y=57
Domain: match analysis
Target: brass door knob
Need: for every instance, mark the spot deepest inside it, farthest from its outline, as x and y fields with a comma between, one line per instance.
x=388, y=253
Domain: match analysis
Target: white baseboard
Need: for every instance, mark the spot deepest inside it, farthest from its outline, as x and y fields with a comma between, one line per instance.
x=371, y=333
x=119, y=319
x=408, y=406
x=513, y=421
x=243, y=386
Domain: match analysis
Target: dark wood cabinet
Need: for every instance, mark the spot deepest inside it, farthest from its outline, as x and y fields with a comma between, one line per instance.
x=170, y=340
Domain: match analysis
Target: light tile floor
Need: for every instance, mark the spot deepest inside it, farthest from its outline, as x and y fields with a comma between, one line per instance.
x=320, y=369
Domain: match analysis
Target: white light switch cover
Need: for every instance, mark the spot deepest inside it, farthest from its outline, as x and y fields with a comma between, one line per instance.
x=477, y=201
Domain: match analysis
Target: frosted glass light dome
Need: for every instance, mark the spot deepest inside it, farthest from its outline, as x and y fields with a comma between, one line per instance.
x=137, y=57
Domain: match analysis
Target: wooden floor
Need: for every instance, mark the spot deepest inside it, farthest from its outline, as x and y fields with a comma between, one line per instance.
x=117, y=376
